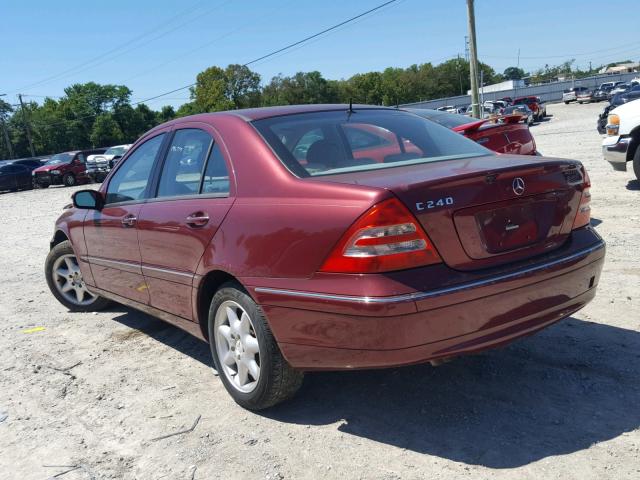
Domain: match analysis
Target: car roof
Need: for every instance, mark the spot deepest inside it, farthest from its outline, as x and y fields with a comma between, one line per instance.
x=251, y=114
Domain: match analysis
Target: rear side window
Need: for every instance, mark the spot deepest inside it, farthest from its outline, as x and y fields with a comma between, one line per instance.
x=216, y=176
x=182, y=169
x=339, y=141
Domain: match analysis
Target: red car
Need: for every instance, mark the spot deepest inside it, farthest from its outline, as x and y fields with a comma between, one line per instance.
x=68, y=168
x=508, y=136
x=287, y=262
x=535, y=104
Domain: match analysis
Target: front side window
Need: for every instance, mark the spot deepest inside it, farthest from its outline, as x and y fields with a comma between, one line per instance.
x=182, y=169
x=403, y=139
x=130, y=181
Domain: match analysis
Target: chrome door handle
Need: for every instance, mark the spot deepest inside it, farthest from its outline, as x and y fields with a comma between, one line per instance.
x=197, y=219
x=129, y=220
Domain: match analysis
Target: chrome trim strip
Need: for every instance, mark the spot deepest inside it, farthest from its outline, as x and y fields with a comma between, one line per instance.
x=130, y=266
x=166, y=270
x=434, y=293
x=120, y=265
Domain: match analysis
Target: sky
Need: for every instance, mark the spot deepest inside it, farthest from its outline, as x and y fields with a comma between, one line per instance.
x=157, y=46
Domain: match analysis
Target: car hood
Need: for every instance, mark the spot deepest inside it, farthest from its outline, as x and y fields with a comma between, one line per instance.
x=48, y=168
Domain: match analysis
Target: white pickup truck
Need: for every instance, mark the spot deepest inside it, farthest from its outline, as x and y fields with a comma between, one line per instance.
x=623, y=137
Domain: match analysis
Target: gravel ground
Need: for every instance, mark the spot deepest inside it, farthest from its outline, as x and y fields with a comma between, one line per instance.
x=94, y=390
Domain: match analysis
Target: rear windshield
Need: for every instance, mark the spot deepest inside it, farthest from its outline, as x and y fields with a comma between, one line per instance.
x=325, y=143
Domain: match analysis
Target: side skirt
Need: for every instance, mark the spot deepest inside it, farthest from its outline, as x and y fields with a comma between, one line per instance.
x=188, y=326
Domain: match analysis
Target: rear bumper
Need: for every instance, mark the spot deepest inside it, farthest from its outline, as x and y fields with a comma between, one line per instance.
x=614, y=150
x=328, y=331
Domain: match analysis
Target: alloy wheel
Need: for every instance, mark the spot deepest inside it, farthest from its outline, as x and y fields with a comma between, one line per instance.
x=237, y=346
x=69, y=282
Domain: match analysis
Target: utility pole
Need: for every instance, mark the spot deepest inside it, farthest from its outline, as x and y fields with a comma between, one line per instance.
x=27, y=126
x=458, y=70
x=466, y=48
x=473, y=61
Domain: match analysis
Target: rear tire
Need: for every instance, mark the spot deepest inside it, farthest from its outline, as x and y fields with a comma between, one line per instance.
x=245, y=353
x=69, y=180
x=66, y=283
x=636, y=163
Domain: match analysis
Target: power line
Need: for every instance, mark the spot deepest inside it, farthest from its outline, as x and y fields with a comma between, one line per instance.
x=565, y=55
x=261, y=58
x=272, y=12
x=287, y=47
x=93, y=62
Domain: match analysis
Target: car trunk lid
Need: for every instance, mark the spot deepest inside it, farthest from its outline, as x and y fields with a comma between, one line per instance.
x=485, y=211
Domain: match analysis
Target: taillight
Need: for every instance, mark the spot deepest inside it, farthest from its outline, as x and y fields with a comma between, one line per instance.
x=583, y=217
x=386, y=238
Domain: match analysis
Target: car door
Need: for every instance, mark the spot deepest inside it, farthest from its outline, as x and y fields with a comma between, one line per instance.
x=23, y=176
x=192, y=197
x=111, y=235
x=79, y=167
x=7, y=177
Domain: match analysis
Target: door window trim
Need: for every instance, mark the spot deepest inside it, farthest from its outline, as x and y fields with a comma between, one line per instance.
x=156, y=185
x=216, y=140
x=160, y=154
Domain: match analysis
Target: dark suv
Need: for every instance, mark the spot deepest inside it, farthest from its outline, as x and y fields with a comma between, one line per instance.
x=68, y=168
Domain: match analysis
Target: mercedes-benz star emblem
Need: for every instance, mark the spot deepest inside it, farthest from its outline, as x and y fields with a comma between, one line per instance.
x=518, y=186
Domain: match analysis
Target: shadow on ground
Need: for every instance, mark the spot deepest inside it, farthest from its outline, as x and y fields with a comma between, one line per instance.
x=633, y=185
x=557, y=392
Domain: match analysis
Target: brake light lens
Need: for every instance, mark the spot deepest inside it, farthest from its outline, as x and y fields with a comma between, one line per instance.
x=583, y=217
x=386, y=238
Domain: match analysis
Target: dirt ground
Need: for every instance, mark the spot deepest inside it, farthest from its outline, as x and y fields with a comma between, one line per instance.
x=94, y=390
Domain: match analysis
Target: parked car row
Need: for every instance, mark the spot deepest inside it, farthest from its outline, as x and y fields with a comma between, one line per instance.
x=66, y=168
x=606, y=91
x=531, y=107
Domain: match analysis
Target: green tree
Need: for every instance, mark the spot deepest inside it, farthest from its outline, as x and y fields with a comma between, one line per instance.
x=301, y=88
x=217, y=89
x=514, y=73
x=106, y=131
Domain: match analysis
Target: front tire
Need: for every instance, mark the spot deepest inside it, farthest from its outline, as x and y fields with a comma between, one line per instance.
x=245, y=353
x=69, y=180
x=66, y=283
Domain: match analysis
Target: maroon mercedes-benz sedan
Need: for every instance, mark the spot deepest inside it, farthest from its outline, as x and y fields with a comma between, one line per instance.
x=329, y=237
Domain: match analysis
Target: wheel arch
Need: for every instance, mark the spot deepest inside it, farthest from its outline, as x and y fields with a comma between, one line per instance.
x=635, y=141
x=58, y=237
x=206, y=289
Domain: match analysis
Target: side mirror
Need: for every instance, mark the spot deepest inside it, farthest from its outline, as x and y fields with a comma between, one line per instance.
x=88, y=200
x=116, y=157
